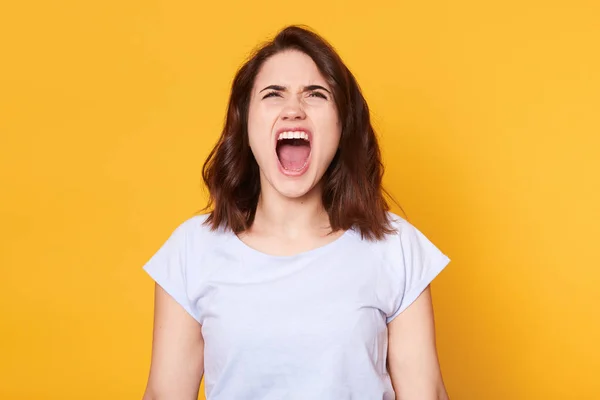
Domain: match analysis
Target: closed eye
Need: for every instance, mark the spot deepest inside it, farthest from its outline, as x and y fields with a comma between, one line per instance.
x=275, y=93
x=272, y=94
x=318, y=94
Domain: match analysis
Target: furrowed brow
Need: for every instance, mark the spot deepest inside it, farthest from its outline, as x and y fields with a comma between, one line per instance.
x=278, y=88
x=315, y=87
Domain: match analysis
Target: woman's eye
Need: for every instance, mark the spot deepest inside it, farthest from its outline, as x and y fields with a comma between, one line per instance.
x=318, y=94
x=272, y=94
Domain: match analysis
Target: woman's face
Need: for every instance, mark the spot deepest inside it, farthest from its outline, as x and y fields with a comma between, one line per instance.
x=293, y=125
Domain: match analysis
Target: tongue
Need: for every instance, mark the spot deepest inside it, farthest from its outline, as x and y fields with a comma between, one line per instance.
x=293, y=157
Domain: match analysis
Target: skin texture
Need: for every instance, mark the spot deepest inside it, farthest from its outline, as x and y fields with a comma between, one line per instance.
x=290, y=219
x=412, y=355
x=177, y=362
x=294, y=106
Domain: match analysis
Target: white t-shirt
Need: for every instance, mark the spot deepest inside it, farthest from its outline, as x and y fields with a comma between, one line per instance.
x=308, y=326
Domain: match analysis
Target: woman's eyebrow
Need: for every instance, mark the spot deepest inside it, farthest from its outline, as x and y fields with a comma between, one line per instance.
x=315, y=87
x=308, y=88
x=274, y=87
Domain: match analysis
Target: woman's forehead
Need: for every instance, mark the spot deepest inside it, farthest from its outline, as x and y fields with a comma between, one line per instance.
x=289, y=68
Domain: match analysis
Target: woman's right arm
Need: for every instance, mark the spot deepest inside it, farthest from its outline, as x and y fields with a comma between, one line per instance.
x=177, y=363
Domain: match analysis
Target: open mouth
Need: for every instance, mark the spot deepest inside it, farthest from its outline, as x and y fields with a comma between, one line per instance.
x=293, y=150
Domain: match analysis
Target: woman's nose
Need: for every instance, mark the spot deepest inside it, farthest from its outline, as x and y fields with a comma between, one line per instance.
x=293, y=110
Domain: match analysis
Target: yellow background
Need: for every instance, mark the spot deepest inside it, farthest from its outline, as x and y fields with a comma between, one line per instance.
x=489, y=120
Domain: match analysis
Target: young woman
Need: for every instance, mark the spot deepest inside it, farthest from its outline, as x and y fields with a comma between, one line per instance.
x=299, y=284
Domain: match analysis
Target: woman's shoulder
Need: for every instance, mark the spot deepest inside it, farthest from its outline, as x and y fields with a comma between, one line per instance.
x=404, y=236
x=399, y=226
x=402, y=229
x=197, y=223
x=397, y=222
x=196, y=232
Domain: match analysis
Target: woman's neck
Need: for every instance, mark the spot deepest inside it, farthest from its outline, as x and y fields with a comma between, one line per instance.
x=291, y=218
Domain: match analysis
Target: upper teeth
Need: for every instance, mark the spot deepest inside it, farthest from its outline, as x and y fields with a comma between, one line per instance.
x=293, y=135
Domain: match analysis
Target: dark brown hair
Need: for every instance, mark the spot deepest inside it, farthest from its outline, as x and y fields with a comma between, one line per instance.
x=352, y=191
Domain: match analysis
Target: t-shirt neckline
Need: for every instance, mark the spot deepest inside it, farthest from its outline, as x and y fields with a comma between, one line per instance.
x=257, y=253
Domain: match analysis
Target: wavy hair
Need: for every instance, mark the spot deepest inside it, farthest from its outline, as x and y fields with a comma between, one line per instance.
x=353, y=195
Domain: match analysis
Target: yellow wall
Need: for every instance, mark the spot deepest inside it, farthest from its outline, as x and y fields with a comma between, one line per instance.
x=489, y=118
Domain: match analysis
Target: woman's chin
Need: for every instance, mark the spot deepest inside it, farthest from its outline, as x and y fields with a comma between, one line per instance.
x=294, y=188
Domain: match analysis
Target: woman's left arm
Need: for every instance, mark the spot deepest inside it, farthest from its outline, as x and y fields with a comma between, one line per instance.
x=412, y=354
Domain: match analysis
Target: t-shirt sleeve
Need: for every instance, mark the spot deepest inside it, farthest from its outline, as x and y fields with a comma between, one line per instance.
x=168, y=267
x=419, y=261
